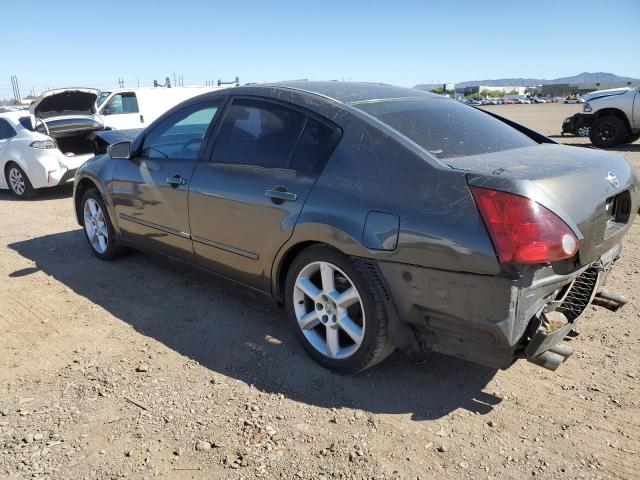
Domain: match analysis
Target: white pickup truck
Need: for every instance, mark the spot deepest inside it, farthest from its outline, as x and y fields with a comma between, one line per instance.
x=612, y=119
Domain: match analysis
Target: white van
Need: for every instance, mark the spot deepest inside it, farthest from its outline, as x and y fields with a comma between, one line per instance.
x=138, y=107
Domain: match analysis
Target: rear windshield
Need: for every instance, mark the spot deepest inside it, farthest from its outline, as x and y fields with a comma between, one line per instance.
x=446, y=128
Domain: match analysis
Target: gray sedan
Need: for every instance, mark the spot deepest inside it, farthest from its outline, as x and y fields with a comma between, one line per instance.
x=380, y=217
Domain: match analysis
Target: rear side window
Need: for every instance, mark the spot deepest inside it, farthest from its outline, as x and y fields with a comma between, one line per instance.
x=26, y=123
x=122, y=103
x=6, y=130
x=258, y=133
x=180, y=135
x=446, y=128
x=315, y=146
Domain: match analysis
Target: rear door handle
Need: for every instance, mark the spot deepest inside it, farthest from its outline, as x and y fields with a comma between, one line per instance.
x=176, y=181
x=280, y=193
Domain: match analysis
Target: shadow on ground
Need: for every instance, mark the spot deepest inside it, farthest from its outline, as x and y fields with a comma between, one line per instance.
x=52, y=193
x=241, y=334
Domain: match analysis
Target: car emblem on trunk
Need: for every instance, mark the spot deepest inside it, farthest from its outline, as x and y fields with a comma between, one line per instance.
x=613, y=180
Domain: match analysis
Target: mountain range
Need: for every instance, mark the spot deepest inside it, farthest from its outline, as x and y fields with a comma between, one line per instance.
x=584, y=77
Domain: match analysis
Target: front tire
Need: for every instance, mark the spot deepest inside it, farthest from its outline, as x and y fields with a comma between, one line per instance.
x=98, y=229
x=19, y=182
x=607, y=132
x=336, y=309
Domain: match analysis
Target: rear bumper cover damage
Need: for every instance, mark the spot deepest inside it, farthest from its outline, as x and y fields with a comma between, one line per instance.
x=493, y=320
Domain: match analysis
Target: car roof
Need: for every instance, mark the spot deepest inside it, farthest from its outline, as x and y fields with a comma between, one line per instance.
x=349, y=92
x=14, y=115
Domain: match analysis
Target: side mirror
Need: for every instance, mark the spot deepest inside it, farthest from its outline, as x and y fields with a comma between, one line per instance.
x=119, y=151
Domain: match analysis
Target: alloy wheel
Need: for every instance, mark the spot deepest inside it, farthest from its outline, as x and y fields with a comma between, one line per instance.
x=607, y=132
x=95, y=225
x=329, y=310
x=16, y=181
x=583, y=131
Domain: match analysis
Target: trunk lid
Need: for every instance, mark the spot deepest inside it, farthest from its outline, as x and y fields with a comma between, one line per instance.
x=65, y=102
x=595, y=192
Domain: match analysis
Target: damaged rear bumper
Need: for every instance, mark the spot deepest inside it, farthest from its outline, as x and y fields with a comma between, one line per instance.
x=493, y=320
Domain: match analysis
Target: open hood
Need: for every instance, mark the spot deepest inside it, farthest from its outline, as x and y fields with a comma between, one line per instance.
x=65, y=101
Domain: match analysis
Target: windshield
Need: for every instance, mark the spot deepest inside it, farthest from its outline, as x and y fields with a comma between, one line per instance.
x=103, y=96
x=446, y=128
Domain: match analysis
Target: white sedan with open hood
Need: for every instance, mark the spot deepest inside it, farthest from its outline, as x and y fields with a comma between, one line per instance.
x=44, y=147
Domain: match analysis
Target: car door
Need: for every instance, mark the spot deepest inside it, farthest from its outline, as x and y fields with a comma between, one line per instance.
x=150, y=191
x=246, y=197
x=122, y=111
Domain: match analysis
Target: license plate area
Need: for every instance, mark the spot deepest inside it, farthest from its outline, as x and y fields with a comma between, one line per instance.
x=617, y=213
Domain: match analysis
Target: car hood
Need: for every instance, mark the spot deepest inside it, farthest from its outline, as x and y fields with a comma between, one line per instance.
x=65, y=101
x=605, y=93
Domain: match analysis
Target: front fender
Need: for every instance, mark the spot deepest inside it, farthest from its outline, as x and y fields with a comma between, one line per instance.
x=98, y=170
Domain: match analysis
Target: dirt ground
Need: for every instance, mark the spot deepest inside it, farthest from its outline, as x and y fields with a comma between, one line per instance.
x=141, y=369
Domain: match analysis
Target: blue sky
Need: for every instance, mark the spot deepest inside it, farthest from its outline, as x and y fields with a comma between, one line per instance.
x=69, y=43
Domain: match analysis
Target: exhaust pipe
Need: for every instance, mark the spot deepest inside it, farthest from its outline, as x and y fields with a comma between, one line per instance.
x=609, y=300
x=553, y=358
x=549, y=360
x=562, y=349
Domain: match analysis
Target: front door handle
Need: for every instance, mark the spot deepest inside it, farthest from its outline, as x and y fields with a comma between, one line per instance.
x=176, y=181
x=280, y=194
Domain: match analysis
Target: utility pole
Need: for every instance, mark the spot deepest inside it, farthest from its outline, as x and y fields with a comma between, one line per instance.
x=16, y=88
x=121, y=82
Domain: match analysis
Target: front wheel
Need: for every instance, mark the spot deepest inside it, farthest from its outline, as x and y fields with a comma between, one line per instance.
x=583, y=131
x=608, y=132
x=97, y=226
x=336, y=309
x=19, y=182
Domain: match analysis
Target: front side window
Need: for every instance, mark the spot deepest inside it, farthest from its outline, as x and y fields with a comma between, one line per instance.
x=258, y=133
x=121, y=103
x=446, y=128
x=180, y=136
x=6, y=130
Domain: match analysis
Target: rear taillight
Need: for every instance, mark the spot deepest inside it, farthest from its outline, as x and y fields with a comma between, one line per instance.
x=523, y=231
x=43, y=144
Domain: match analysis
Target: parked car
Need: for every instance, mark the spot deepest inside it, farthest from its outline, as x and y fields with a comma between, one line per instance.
x=576, y=125
x=124, y=108
x=33, y=158
x=359, y=207
x=613, y=119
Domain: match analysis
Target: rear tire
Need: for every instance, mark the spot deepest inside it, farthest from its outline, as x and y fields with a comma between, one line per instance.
x=18, y=182
x=98, y=229
x=340, y=306
x=607, y=132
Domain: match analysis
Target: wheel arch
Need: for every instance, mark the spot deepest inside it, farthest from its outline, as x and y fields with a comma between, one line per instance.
x=5, y=170
x=613, y=112
x=81, y=186
x=305, y=236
